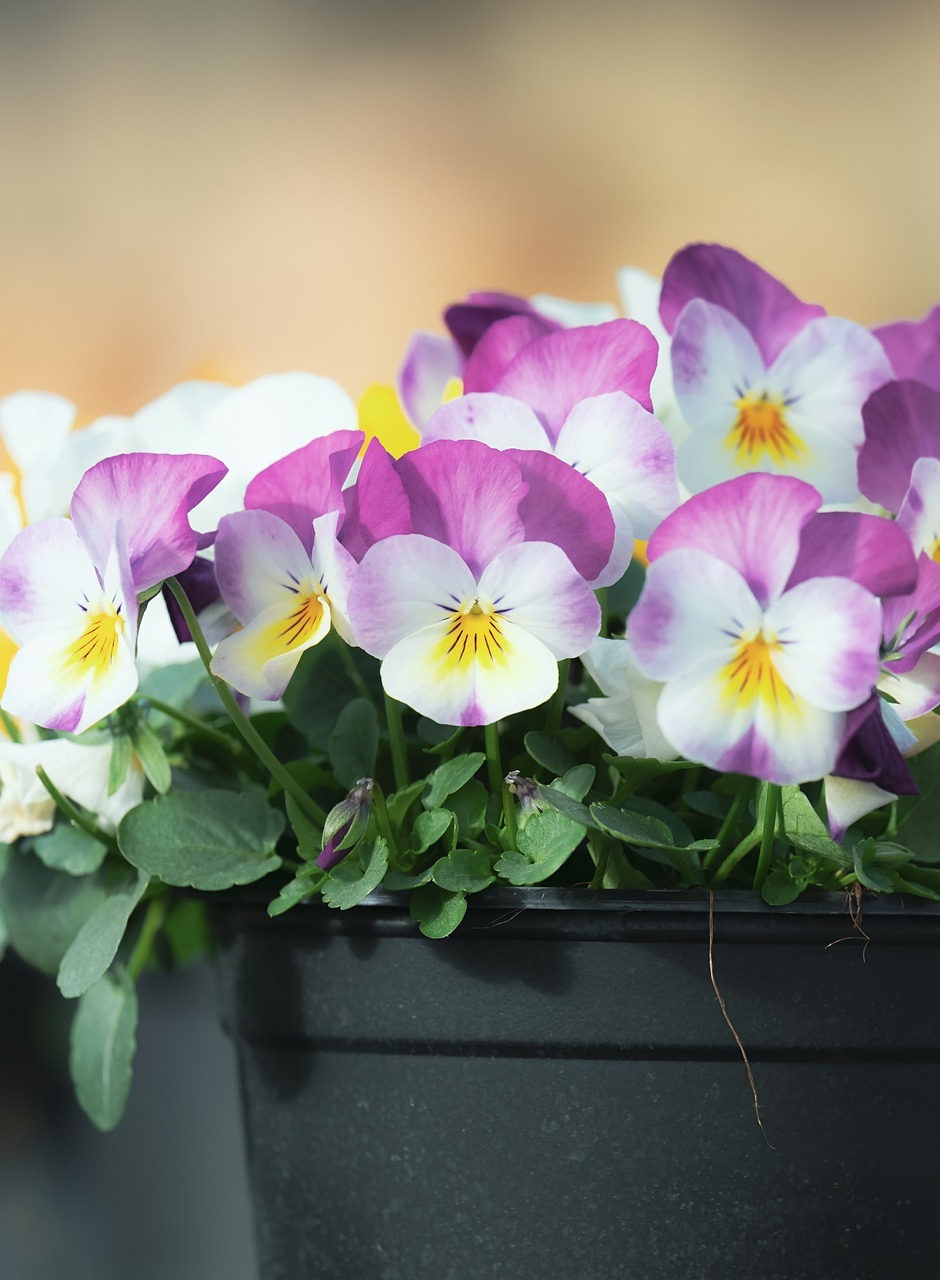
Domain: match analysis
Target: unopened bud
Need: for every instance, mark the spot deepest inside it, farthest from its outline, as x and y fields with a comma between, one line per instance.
x=345, y=823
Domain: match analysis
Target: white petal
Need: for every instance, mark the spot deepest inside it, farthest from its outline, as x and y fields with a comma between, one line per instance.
x=535, y=586
x=260, y=659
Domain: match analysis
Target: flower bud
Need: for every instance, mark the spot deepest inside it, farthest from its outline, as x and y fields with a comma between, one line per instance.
x=345, y=823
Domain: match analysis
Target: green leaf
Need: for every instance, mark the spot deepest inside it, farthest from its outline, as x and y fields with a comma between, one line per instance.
x=710, y=803
x=572, y=809
x=67, y=848
x=469, y=808
x=637, y=773
x=450, y=777
x=95, y=945
x=442, y=738
x=355, y=877
x=45, y=909
x=121, y=754
x=780, y=888
x=918, y=817
x=804, y=828
x=550, y=751
x=633, y=828
x=406, y=879
x=577, y=782
x=321, y=687
x=437, y=911
x=308, y=833
x=303, y=886
x=152, y=756
x=463, y=871
x=399, y=802
x=103, y=1039
x=544, y=844
x=873, y=877
x=678, y=830
x=206, y=839
x=174, y=684
x=431, y=826
x=186, y=931
x=354, y=742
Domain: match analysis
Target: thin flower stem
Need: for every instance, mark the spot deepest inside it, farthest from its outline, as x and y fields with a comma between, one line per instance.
x=557, y=704
x=384, y=821
x=153, y=922
x=74, y=815
x=494, y=767
x=772, y=802
x=11, y=726
x=734, y=857
x=238, y=717
x=198, y=726
x=396, y=741
x=739, y=804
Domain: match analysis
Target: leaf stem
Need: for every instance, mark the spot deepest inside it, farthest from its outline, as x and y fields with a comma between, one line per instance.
x=772, y=803
x=153, y=921
x=74, y=814
x=740, y=851
x=238, y=717
x=494, y=767
x=383, y=820
x=198, y=726
x=739, y=804
x=396, y=742
x=11, y=726
x=349, y=666
x=557, y=704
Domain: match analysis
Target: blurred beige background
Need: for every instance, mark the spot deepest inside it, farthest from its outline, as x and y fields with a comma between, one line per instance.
x=242, y=186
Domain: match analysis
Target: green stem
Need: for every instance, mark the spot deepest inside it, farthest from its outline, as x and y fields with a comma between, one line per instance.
x=74, y=815
x=198, y=726
x=557, y=704
x=396, y=741
x=153, y=920
x=384, y=821
x=238, y=717
x=494, y=768
x=772, y=802
x=739, y=804
x=734, y=857
x=11, y=726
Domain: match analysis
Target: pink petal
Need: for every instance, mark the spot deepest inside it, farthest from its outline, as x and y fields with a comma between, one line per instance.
x=767, y=309
x=913, y=347
x=307, y=483
x=565, y=508
x=753, y=522
x=495, y=420
x=377, y=506
x=152, y=493
x=902, y=424
x=430, y=362
x=871, y=550
x=553, y=373
x=498, y=347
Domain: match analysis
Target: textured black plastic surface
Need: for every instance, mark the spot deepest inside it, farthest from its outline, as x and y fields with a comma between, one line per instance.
x=553, y=1092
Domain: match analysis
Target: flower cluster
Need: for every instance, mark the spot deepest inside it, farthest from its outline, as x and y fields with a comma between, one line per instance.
x=677, y=572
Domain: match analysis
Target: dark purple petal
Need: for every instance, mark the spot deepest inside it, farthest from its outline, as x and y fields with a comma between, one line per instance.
x=376, y=505
x=902, y=424
x=767, y=309
x=913, y=347
x=871, y=550
x=497, y=349
x=468, y=321
x=307, y=483
x=556, y=372
x=564, y=507
x=199, y=583
x=870, y=753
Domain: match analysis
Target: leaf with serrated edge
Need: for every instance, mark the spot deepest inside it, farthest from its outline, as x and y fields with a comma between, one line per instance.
x=450, y=777
x=347, y=884
x=207, y=839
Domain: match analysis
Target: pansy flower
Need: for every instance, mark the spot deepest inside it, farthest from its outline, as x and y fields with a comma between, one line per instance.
x=469, y=591
x=68, y=588
x=280, y=568
x=760, y=618
x=765, y=382
x=913, y=347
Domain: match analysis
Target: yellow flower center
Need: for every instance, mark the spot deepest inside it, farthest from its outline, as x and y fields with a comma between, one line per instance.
x=475, y=634
x=761, y=428
x=751, y=675
x=297, y=628
x=95, y=649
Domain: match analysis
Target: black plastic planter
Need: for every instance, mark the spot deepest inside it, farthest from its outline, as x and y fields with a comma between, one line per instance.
x=552, y=1092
